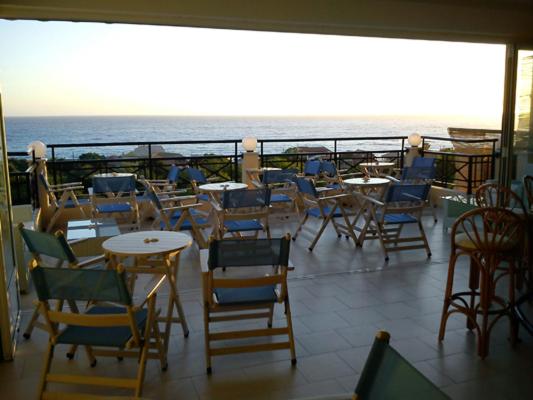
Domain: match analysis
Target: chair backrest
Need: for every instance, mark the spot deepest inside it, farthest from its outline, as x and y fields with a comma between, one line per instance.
x=152, y=195
x=424, y=162
x=114, y=184
x=194, y=174
x=328, y=168
x=490, y=229
x=495, y=195
x=312, y=167
x=248, y=253
x=246, y=198
x=388, y=375
x=405, y=192
x=306, y=187
x=283, y=176
x=419, y=173
x=80, y=285
x=174, y=174
x=42, y=243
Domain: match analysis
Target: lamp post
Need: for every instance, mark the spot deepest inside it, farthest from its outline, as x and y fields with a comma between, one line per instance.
x=250, y=158
x=38, y=148
x=414, y=140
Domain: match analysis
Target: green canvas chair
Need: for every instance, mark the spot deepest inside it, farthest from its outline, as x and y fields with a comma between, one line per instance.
x=388, y=376
x=101, y=329
x=56, y=252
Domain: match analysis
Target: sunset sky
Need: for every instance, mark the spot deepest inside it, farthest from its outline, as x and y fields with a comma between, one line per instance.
x=63, y=68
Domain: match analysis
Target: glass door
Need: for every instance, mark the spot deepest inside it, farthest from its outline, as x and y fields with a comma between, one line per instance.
x=522, y=155
x=9, y=298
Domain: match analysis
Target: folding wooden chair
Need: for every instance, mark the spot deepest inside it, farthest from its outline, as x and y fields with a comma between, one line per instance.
x=62, y=197
x=57, y=252
x=325, y=208
x=101, y=329
x=242, y=297
x=169, y=184
x=197, y=178
x=282, y=187
x=403, y=205
x=243, y=211
x=116, y=196
x=178, y=213
x=333, y=177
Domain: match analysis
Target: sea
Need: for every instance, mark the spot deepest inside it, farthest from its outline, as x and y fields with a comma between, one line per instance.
x=84, y=132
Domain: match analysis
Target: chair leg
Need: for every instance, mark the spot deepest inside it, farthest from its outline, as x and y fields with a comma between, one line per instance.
x=300, y=226
x=47, y=364
x=289, y=327
x=90, y=355
x=320, y=231
x=142, y=369
x=447, y=295
x=424, y=239
x=206, y=339
x=270, y=316
x=31, y=324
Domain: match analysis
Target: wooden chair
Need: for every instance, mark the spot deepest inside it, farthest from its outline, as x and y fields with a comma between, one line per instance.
x=175, y=212
x=169, y=184
x=403, y=205
x=197, y=178
x=62, y=197
x=242, y=297
x=243, y=211
x=101, y=329
x=115, y=196
x=333, y=177
x=282, y=187
x=325, y=208
x=492, y=238
x=57, y=252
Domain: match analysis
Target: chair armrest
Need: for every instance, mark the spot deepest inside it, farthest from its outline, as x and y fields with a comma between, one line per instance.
x=65, y=188
x=369, y=199
x=177, y=198
x=151, y=292
x=64, y=185
x=412, y=196
x=182, y=207
x=204, y=257
x=334, y=197
x=392, y=179
x=91, y=261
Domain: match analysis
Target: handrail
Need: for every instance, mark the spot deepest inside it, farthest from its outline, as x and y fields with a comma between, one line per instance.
x=465, y=140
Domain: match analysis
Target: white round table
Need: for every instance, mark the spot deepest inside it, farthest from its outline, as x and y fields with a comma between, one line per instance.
x=222, y=186
x=114, y=175
x=368, y=185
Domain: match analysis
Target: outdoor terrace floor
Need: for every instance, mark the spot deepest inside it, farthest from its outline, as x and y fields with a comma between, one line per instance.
x=340, y=296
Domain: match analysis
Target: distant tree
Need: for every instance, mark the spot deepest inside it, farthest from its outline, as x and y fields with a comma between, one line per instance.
x=91, y=156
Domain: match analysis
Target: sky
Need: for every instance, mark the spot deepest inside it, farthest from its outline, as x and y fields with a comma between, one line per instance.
x=65, y=68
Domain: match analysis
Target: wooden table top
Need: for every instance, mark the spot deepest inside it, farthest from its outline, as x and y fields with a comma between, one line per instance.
x=366, y=182
x=146, y=243
x=221, y=186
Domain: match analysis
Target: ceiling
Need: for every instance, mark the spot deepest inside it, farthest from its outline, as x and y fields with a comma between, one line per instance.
x=489, y=21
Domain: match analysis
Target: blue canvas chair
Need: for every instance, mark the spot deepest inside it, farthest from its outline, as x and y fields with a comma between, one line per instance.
x=403, y=205
x=116, y=197
x=169, y=184
x=61, y=198
x=387, y=375
x=325, y=208
x=312, y=168
x=119, y=329
x=197, y=178
x=58, y=253
x=178, y=213
x=333, y=177
x=243, y=211
x=240, y=296
x=282, y=186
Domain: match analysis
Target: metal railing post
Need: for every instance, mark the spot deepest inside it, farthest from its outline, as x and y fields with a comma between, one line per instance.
x=236, y=163
x=402, y=153
x=150, y=169
x=469, y=183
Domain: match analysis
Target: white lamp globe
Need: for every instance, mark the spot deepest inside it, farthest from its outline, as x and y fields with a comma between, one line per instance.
x=37, y=147
x=249, y=143
x=414, y=139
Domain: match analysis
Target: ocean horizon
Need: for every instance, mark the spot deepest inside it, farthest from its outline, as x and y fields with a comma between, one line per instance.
x=98, y=129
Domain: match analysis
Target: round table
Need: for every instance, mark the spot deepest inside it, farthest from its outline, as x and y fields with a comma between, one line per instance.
x=222, y=186
x=367, y=185
x=113, y=174
x=376, y=168
x=153, y=252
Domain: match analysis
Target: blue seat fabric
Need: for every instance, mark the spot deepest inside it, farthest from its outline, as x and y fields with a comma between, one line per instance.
x=202, y=197
x=186, y=226
x=280, y=198
x=315, y=212
x=398, y=218
x=70, y=204
x=250, y=295
x=244, y=225
x=115, y=336
x=113, y=208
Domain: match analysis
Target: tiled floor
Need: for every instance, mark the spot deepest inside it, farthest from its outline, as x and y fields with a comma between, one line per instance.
x=340, y=297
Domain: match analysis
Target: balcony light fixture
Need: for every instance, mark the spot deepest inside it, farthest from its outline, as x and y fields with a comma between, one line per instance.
x=414, y=139
x=38, y=148
x=249, y=143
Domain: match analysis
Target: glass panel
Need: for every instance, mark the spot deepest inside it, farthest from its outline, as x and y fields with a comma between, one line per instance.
x=523, y=137
x=9, y=301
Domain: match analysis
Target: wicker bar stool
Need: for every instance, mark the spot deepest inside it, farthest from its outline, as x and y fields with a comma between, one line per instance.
x=493, y=239
x=495, y=195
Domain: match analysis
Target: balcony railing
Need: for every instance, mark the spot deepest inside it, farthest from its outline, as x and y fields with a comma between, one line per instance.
x=455, y=170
